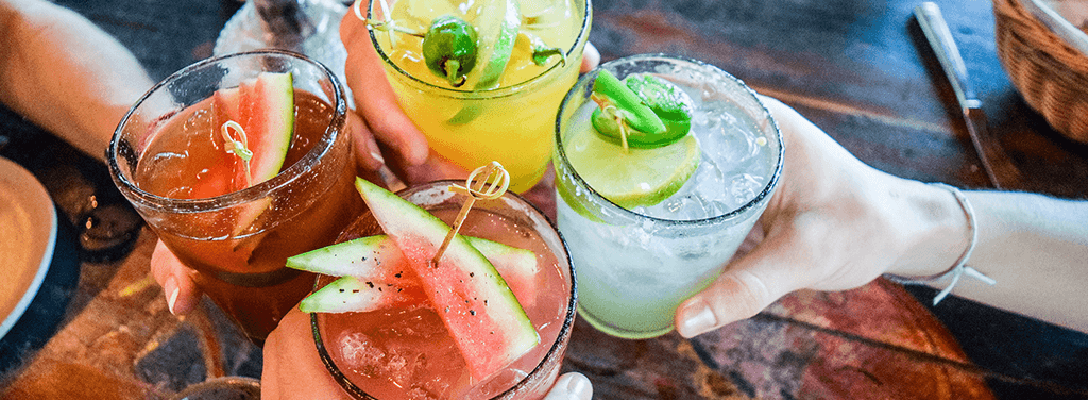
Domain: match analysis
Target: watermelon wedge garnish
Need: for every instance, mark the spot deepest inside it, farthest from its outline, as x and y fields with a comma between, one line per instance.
x=476, y=305
x=351, y=294
x=257, y=120
x=377, y=260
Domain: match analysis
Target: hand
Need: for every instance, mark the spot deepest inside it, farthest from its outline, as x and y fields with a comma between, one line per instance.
x=378, y=105
x=833, y=223
x=290, y=354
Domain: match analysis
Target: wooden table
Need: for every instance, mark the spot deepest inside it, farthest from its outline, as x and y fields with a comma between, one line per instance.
x=861, y=70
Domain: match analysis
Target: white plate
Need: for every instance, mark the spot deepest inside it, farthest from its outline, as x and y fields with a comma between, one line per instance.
x=28, y=232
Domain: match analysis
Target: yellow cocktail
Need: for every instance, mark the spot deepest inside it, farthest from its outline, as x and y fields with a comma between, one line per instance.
x=500, y=109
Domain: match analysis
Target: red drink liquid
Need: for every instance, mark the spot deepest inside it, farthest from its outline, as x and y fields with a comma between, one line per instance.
x=406, y=352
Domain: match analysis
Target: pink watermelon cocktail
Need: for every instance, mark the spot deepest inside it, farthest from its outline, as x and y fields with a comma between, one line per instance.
x=405, y=351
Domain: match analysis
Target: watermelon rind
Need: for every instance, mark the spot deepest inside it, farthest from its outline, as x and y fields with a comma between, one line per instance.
x=350, y=294
x=476, y=305
x=269, y=123
x=363, y=258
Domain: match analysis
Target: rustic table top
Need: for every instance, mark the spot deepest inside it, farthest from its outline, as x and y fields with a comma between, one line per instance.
x=860, y=69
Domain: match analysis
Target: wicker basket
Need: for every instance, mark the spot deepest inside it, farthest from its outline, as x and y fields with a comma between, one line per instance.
x=1051, y=75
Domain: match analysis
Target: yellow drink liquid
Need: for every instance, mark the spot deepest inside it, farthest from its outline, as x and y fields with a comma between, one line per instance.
x=514, y=123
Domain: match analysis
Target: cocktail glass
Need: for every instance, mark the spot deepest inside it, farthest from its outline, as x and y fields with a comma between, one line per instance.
x=377, y=354
x=240, y=265
x=468, y=126
x=636, y=265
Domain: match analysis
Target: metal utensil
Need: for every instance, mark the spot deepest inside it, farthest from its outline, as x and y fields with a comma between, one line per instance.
x=999, y=168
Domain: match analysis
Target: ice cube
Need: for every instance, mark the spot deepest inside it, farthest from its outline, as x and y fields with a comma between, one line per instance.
x=360, y=354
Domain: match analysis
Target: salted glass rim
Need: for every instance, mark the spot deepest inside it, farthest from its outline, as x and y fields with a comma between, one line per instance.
x=675, y=59
x=564, y=331
x=284, y=178
x=498, y=92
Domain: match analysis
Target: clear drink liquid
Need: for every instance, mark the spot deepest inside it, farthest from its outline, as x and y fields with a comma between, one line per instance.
x=636, y=266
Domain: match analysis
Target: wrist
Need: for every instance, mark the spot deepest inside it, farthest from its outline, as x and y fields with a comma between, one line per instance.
x=939, y=231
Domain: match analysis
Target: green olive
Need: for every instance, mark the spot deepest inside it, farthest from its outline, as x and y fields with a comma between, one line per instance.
x=449, y=48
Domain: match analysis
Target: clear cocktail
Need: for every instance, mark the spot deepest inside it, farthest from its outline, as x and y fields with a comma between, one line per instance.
x=649, y=227
x=170, y=158
x=502, y=107
x=405, y=351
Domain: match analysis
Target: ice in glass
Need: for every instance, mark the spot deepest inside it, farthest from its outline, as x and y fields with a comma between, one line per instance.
x=170, y=158
x=657, y=224
x=501, y=104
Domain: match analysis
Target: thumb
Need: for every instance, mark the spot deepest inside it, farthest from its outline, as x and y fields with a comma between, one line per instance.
x=746, y=287
x=571, y=386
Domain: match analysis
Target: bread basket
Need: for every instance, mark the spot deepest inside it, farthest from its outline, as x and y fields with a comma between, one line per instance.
x=1051, y=75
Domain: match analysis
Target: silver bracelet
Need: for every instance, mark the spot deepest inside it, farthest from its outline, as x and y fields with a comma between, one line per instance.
x=960, y=267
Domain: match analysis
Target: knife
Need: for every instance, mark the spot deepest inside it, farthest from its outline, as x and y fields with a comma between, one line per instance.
x=1002, y=173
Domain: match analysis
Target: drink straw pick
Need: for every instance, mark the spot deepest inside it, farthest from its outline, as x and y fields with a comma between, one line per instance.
x=496, y=181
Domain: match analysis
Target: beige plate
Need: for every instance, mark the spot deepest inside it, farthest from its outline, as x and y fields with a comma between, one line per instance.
x=28, y=232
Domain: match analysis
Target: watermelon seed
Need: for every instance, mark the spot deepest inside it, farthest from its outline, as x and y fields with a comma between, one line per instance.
x=473, y=312
x=471, y=274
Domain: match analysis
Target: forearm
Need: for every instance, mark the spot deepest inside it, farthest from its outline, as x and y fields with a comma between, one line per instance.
x=66, y=75
x=1035, y=247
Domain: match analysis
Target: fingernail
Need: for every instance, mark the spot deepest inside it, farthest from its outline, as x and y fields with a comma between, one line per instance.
x=697, y=318
x=171, y=293
x=376, y=156
x=578, y=386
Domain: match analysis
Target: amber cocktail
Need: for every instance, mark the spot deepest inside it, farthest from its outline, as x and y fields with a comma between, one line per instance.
x=168, y=157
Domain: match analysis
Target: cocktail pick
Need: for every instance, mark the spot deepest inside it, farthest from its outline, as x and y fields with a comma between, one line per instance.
x=496, y=181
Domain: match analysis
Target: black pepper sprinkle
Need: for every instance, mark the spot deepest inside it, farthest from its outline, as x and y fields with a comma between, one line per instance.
x=398, y=275
x=341, y=290
x=471, y=274
x=473, y=312
x=355, y=291
x=371, y=284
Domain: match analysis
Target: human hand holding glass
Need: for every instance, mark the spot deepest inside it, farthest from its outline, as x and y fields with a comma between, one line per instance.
x=836, y=223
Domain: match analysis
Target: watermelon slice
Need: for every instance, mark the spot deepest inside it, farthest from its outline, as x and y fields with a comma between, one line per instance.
x=350, y=294
x=377, y=259
x=264, y=109
x=477, y=307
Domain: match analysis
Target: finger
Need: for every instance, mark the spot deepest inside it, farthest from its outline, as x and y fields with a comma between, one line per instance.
x=181, y=293
x=374, y=97
x=367, y=154
x=571, y=386
x=590, y=57
x=745, y=288
x=436, y=168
